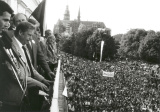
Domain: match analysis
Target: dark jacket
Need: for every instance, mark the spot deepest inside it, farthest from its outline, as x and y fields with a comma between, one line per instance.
x=37, y=56
x=10, y=90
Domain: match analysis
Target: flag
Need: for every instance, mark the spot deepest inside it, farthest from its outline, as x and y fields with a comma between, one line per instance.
x=108, y=74
x=39, y=15
x=102, y=43
x=65, y=91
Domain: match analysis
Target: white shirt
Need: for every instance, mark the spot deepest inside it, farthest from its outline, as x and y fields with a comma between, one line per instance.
x=19, y=43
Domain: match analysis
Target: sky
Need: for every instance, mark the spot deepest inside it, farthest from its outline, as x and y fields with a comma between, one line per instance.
x=118, y=15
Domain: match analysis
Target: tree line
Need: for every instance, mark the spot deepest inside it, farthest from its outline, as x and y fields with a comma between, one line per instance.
x=137, y=44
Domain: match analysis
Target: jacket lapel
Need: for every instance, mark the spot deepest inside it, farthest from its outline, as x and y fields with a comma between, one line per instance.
x=17, y=49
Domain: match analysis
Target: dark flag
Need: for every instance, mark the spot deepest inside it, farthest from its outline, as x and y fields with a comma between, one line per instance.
x=39, y=15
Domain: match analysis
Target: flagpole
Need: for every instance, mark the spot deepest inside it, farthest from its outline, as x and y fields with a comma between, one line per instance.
x=101, y=52
x=30, y=16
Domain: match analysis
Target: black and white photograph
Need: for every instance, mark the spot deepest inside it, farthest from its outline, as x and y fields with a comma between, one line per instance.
x=79, y=56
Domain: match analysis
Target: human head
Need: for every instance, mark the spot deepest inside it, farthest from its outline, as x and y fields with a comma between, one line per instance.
x=35, y=23
x=48, y=33
x=37, y=29
x=18, y=18
x=5, y=14
x=51, y=39
x=24, y=32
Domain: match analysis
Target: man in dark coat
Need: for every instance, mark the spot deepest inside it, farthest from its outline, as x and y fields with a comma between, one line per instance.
x=13, y=72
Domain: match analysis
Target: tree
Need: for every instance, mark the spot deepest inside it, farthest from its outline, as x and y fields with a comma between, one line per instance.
x=150, y=47
x=118, y=37
x=94, y=42
x=81, y=47
x=130, y=42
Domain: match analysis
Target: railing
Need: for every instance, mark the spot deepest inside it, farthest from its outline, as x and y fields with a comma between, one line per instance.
x=59, y=103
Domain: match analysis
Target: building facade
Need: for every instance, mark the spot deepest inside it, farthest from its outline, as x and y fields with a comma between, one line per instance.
x=23, y=6
x=74, y=26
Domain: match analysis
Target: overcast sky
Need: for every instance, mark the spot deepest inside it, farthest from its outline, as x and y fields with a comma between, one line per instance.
x=118, y=15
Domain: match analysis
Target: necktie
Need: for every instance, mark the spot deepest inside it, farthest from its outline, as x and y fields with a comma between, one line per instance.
x=30, y=50
x=28, y=60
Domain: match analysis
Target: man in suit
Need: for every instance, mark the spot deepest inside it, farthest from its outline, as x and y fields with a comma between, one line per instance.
x=36, y=54
x=13, y=72
x=23, y=33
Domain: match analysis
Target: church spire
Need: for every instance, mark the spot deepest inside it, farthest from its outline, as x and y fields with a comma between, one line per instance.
x=67, y=14
x=79, y=15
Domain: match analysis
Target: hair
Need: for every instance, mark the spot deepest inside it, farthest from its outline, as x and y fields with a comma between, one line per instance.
x=23, y=26
x=32, y=21
x=4, y=7
x=14, y=21
x=47, y=31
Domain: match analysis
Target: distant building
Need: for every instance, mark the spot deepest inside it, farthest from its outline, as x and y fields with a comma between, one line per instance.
x=23, y=6
x=72, y=26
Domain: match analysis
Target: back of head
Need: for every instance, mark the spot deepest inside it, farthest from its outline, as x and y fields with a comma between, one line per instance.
x=4, y=7
x=23, y=27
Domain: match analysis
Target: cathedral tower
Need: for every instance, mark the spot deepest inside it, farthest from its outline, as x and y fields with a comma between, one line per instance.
x=66, y=14
x=79, y=15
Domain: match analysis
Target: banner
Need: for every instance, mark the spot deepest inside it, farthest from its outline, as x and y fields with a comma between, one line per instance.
x=108, y=74
x=39, y=15
x=101, y=53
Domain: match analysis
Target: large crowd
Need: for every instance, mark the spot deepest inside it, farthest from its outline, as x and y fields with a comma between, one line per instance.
x=134, y=87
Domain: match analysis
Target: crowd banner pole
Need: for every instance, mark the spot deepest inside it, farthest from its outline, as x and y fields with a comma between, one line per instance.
x=54, y=105
x=102, y=43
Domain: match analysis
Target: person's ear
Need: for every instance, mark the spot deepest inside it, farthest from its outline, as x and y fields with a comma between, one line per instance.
x=20, y=32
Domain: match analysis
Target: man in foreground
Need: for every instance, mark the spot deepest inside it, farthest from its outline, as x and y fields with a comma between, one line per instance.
x=35, y=81
x=13, y=72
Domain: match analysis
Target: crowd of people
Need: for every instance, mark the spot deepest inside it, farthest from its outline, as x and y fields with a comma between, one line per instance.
x=26, y=72
x=134, y=87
